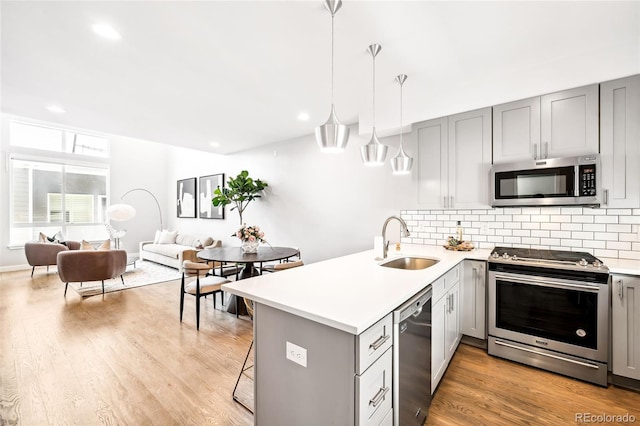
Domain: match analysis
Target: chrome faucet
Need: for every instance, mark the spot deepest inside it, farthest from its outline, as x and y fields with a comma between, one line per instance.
x=403, y=228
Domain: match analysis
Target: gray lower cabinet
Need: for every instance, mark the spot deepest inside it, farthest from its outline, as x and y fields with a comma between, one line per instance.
x=620, y=141
x=474, y=299
x=625, y=326
x=330, y=377
x=445, y=323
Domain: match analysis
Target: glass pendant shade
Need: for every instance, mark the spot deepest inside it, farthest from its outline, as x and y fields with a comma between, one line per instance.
x=374, y=152
x=332, y=136
x=401, y=163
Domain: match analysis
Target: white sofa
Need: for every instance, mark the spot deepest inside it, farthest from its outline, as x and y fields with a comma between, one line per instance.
x=174, y=254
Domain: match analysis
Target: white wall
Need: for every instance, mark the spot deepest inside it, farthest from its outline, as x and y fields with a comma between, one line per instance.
x=326, y=204
x=140, y=164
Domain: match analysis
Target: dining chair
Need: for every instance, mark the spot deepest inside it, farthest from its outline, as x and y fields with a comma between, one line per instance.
x=199, y=287
x=281, y=266
x=250, y=311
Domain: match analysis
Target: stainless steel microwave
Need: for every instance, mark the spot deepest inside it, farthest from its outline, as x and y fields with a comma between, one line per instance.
x=570, y=181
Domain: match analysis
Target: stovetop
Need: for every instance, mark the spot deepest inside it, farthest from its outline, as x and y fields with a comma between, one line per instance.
x=547, y=258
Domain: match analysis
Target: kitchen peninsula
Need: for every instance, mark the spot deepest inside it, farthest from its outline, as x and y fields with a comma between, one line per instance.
x=321, y=335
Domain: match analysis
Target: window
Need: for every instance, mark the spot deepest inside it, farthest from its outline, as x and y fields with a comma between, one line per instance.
x=50, y=139
x=57, y=194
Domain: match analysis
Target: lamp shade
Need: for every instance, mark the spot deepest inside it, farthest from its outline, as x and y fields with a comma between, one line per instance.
x=121, y=212
x=332, y=136
x=373, y=153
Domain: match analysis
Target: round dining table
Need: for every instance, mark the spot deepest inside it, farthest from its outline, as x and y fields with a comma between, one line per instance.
x=236, y=255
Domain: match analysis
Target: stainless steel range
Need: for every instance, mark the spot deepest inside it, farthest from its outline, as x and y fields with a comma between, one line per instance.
x=549, y=309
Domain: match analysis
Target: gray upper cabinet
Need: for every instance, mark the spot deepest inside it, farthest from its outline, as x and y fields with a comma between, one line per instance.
x=620, y=141
x=569, y=122
x=433, y=190
x=469, y=158
x=555, y=125
x=516, y=130
x=454, y=158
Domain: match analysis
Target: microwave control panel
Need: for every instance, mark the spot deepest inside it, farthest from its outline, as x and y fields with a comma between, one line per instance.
x=587, y=180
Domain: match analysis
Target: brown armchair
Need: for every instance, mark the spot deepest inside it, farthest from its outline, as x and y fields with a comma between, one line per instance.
x=91, y=265
x=45, y=254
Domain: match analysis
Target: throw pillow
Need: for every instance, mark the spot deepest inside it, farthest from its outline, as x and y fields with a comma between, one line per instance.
x=43, y=238
x=59, y=237
x=156, y=239
x=105, y=246
x=168, y=237
x=85, y=245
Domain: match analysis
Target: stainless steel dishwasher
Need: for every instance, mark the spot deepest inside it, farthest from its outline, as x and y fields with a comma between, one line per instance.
x=412, y=360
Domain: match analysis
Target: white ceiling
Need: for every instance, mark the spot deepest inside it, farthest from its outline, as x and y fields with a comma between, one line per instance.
x=239, y=72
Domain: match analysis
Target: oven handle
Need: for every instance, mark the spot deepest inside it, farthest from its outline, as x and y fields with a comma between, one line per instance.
x=548, y=283
x=584, y=364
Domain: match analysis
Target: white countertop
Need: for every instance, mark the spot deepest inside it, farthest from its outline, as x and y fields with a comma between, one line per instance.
x=350, y=293
x=622, y=266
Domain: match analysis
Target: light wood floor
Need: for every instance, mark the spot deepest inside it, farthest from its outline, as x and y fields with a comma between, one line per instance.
x=126, y=359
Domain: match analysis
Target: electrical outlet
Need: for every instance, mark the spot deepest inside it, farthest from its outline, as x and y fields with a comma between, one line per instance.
x=484, y=228
x=297, y=354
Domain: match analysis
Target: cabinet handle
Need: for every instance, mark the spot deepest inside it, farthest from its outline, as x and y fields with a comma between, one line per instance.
x=377, y=399
x=620, y=290
x=606, y=197
x=444, y=202
x=451, y=202
x=546, y=150
x=376, y=345
x=474, y=272
x=535, y=151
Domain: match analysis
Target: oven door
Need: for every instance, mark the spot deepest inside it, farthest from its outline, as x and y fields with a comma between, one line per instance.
x=556, y=314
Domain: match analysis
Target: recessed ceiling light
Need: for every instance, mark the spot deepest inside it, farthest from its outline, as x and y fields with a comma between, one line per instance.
x=303, y=116
x=214, y=144
x=55, y=108
x=106, y=31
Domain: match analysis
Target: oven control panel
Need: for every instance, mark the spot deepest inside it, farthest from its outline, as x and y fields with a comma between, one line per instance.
x=587, y=180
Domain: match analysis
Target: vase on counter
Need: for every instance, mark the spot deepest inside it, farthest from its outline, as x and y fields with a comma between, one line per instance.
x=250, y=246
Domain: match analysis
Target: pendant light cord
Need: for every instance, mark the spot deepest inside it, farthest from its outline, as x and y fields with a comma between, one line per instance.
x=374, y=91
x=401, y=115
x=332, y=59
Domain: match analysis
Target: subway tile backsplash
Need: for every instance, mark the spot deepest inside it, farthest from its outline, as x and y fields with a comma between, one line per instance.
x=601, y=232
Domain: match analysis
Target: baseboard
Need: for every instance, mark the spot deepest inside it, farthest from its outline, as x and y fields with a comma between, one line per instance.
x=13, y=268
x=624, y=382
x=473, y=341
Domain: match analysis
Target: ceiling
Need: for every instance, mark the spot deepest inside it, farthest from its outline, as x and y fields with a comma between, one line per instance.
x=239, y=72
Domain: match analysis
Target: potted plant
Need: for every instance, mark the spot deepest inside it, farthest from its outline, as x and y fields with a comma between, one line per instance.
x=240, y=191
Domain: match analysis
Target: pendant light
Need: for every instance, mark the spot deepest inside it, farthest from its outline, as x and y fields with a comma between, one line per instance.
x=332, y=136
x=374, y=153
x=401, y=163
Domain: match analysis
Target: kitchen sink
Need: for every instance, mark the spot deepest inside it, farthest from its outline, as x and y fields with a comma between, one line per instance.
x=410, y=263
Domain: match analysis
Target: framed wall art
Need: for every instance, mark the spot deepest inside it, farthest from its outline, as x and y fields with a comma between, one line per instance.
x=208, y=184
x=186, y=198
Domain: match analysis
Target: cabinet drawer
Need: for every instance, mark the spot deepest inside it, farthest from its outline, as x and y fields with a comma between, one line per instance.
x=452, y=277
x=373, y=391
x=373, y=342
x=438, y=289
